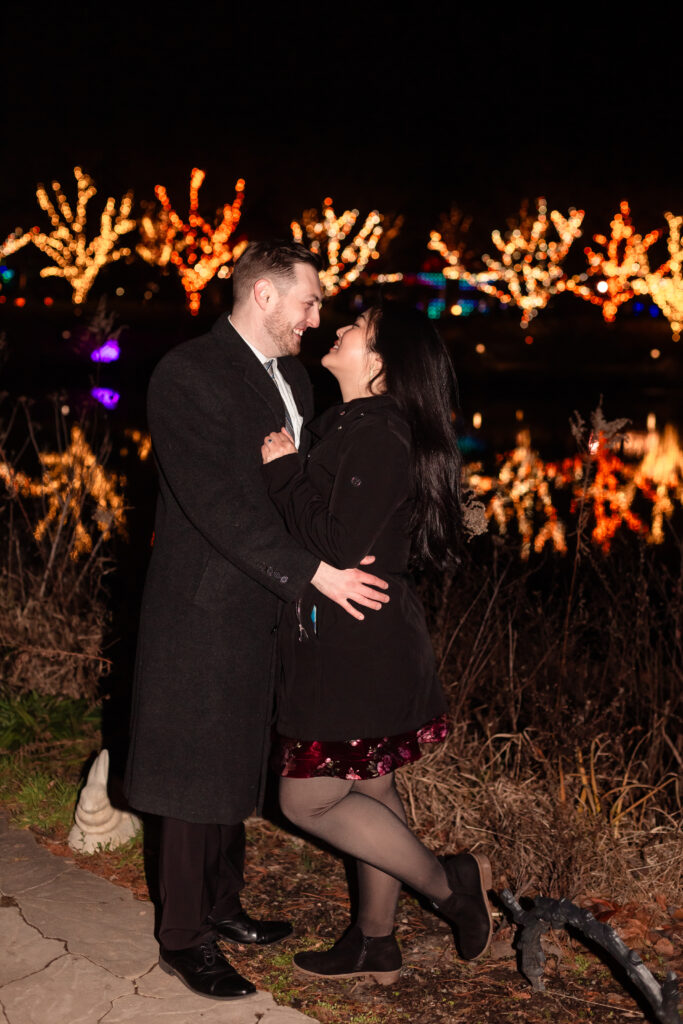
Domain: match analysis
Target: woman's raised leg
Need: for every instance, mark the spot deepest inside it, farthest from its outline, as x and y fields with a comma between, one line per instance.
x=347, y=815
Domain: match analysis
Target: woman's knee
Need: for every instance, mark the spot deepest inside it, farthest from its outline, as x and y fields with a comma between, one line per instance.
x=304, y=801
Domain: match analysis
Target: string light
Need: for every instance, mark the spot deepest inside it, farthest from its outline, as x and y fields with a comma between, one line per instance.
x=143, y=442
x=156, y=235
x=197, y=248
x=77, y=260
x=68, y=479
x=523, y=489
x=17, y=239
x=665, y=285
x=109, y=352
x=623, y=266
x=529, y=268
x=344, y=258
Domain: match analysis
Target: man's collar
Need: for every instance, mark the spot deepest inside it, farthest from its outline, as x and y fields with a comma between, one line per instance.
x=259, y=355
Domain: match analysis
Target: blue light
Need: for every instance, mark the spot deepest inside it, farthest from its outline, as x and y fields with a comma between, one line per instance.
x=638, y=307
x=435, y=308
x=432, y=280
x=654, y=310
x=6, y=274
x=106, y=397
x=107, y=353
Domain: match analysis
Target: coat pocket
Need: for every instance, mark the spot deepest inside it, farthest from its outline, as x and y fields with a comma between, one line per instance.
x=217, y=583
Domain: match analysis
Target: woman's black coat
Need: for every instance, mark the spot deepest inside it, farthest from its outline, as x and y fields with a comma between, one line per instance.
x=344, y=679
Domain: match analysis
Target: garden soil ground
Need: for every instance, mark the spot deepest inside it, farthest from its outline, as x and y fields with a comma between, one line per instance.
x=289, y=877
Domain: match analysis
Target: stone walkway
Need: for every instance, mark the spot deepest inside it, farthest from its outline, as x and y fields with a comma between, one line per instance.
x=75, y=949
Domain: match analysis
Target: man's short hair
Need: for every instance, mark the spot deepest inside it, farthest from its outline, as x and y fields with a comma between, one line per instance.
x=274, y=259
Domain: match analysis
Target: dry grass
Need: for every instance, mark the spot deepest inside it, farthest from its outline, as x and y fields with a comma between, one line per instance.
x=58, y=510
x=564, y=763
x=536, y=826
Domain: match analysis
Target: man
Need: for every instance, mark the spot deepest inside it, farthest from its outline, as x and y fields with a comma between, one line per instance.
x=222, y=563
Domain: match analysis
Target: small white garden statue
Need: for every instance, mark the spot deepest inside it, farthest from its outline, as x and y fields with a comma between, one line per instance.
x=98, y=825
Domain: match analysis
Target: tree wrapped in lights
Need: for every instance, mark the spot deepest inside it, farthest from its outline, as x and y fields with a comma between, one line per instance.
x=71, y=480
x=622, y=267
x=453, y=229
x=605, y=490
x=78, y=260
x=197, y=249
x=529, y=268
x=344, y=257
x=665, y=285
x=521, y=492
x=156, y=236
x=16, y=239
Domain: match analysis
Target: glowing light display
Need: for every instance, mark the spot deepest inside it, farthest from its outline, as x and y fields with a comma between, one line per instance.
x=156, y=236
x=529, y=268
x=106, y=397
x=197, y=249
x=70, y=481
x=107, y=353
x=622, y=267
x=77, y=260
x=344, y=258
x=453, y=228
x=526, y=490
x=666, y=284
x=17, y=239
x=143, y=442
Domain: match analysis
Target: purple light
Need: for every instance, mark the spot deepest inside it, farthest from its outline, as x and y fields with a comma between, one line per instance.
x=106, y=397
x=107, y=353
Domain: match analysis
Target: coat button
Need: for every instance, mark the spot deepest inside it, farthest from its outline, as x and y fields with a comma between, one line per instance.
x=283, y=579
x=274, y=629
x=356, y=481
x=339, y=427
x=269, y=571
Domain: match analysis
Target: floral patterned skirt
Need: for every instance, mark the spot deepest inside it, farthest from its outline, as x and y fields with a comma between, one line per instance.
x=354, y=759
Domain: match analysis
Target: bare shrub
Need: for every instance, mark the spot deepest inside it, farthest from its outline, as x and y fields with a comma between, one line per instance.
x=59, y=509
x=564, y=761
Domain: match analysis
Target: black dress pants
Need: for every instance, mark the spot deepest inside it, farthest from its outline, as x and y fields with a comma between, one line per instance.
x=201, y=873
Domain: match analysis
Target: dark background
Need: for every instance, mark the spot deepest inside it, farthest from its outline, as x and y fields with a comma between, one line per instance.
x=406, y=113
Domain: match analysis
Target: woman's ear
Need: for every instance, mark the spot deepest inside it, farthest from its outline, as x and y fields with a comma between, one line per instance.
x=376, y=368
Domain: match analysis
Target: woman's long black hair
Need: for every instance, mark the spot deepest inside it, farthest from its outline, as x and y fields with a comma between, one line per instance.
x=418, y=374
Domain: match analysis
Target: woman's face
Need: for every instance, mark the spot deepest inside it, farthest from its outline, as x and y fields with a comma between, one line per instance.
x=351, y=359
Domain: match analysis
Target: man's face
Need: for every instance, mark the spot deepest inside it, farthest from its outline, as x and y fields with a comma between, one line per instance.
x=295, y=309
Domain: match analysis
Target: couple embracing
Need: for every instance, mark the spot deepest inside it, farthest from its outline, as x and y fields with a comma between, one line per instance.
x=255, y=600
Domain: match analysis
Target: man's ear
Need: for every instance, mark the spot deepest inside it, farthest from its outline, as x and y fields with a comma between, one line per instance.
x=264, y=293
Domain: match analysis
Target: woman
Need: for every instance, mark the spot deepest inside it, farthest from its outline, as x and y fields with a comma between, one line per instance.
x=359, y=695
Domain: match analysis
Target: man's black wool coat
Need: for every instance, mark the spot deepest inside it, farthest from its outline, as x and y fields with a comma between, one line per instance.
x=221, y=564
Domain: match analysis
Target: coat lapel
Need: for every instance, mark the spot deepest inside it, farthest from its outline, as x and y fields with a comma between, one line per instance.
x=253, y=371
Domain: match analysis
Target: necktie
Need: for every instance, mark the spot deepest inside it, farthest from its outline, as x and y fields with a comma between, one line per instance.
x=271, y=373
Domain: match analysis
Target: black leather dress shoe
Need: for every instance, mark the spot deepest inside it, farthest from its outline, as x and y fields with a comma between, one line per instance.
x=205, y=971
x=242, y=928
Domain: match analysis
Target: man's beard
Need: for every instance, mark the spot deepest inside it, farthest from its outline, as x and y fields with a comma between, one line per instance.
x=281, y=333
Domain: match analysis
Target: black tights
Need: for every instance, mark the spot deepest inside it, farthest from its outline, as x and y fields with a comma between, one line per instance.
x=365, y=818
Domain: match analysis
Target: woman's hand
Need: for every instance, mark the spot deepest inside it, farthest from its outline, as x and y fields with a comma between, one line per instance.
x=277, y=444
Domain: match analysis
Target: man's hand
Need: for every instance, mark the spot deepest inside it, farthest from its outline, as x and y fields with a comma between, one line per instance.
x=277, y=444
x=344, y=585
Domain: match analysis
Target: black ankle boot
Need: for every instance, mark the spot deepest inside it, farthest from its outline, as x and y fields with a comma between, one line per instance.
x=355, y=956
x=467, y=908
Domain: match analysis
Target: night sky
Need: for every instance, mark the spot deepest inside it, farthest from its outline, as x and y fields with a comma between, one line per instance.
x=406, y=114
